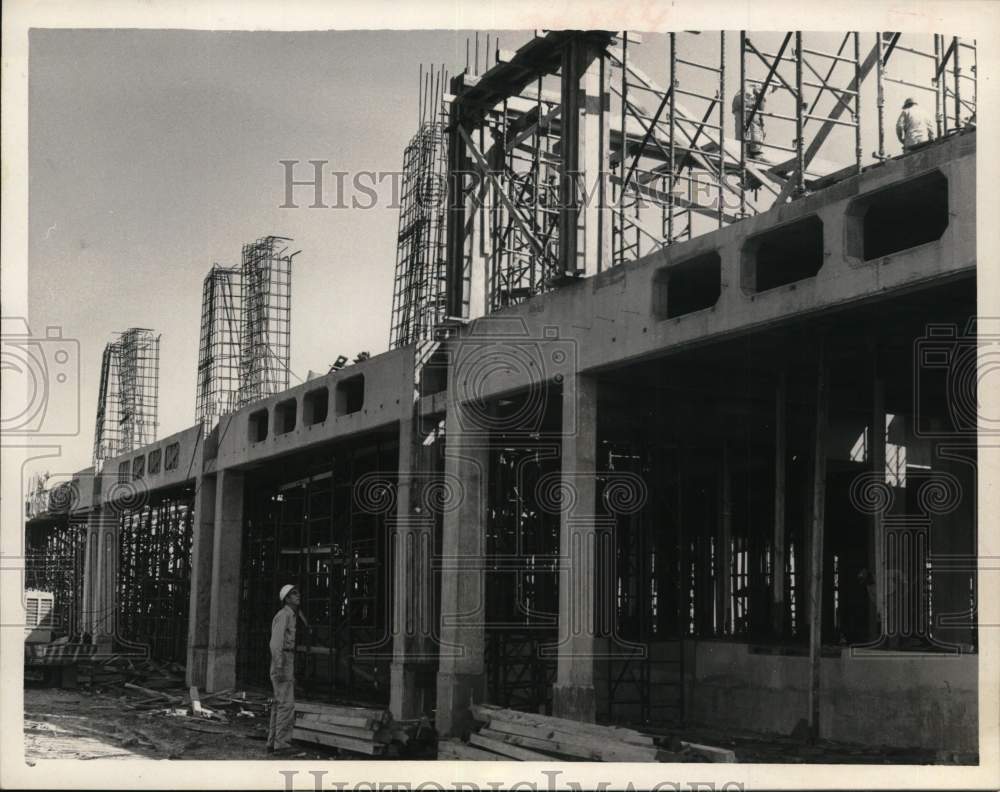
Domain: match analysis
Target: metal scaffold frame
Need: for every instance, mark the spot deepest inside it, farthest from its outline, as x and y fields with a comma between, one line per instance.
x=154, y=576
x=128, y=394
x=219, y=347
x=566, y=158
x=946, y=78
x=265, y=328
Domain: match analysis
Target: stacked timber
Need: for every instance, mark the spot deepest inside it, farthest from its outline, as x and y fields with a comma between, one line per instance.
x=506, y=735
x=358, y=729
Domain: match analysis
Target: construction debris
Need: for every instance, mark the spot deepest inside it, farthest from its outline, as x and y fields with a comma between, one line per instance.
x=506, y=735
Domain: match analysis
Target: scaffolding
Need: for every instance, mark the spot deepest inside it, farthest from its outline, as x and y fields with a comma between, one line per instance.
x=265, y=325
x=418, y=299
x=566, y=158
x=128, y=394
x=946, y=71
x=308, y=523
x=154, y=576
x=219, y=348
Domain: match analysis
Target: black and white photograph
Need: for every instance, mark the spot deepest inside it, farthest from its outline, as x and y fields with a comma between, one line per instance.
x=457, y=396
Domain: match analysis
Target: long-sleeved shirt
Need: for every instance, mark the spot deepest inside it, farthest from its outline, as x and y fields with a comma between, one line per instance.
x=282, y=638
x=915, y=126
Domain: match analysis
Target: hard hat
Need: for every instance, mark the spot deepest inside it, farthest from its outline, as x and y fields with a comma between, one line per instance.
x=285, y=591
x=910, y=101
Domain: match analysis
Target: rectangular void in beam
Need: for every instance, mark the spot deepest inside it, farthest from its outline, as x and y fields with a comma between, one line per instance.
x=687, y=286
x=284, y=416
x=899, y=217
x=783, y=255
x=351, y=395
x=315, y=406
x=257, y=426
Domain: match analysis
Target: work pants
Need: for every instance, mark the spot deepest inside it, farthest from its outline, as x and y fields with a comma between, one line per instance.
x=279, y=733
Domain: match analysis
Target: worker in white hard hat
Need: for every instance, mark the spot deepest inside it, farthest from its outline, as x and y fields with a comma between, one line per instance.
x=915, y=125
x=279, y=733
x=743, y=106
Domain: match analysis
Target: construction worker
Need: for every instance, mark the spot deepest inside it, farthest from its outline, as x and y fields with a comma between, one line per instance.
x=915, y=126
x=279, y=733
x=743, y=104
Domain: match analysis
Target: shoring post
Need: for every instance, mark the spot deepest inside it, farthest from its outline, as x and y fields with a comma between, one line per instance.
x=816, y=543
x=800, y=161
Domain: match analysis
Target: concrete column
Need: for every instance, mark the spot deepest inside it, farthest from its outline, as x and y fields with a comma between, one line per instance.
x=414, y=656
x=227, y=542
x=102, y=538
x=88, y=610
x=461, y=678
x=573, y=695
x=203, y=525
x=584, y=157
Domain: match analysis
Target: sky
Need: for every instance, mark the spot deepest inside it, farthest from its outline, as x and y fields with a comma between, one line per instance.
x=154, y=154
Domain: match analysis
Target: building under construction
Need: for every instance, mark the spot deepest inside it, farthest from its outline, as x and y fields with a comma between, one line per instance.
x=678, y=422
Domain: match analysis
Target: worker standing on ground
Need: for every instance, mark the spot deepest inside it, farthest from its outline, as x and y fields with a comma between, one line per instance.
x=915, y=126
x=279, y=734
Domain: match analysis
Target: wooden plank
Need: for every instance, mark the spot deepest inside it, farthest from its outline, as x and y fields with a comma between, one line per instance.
x=489, y=712
x=312, y=722
x=195, y=701
x=594, y=751
x=375, y=715
x=461, y=751
x=710, y=752
x=508, y=750
x=336, y=741
x=158, y=693
x=338, y=720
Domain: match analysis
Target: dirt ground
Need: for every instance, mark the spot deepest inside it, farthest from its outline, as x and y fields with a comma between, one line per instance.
x=80, y=724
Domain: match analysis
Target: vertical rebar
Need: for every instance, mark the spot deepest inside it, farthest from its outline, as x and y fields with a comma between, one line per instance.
x=958, y=80
x=722, y=124
x=619, y=255
x=671, y=165
x=800, y=168
x=880, y=93
x=739, y=123
x=857, y=100
x=936, y=82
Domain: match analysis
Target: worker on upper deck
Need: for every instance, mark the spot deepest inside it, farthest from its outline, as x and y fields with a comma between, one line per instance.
x=743, y=106
x=915, y=126
x=282, y=646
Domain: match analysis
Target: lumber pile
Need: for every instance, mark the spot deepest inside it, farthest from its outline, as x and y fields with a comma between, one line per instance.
x=119, y=670
x=361, y=730
x=509, y=735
